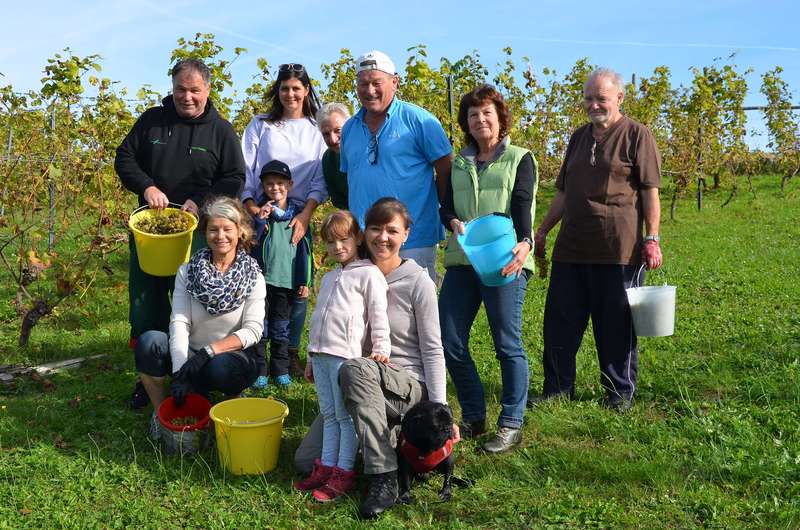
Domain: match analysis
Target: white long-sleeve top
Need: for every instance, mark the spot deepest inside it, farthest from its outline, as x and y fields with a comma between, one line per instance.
x=351, y=299
x=191, y=326
x=298, y=143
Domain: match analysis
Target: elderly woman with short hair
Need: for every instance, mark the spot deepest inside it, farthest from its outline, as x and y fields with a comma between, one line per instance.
x=217, y=315
x=330, y=120
x=489, y=175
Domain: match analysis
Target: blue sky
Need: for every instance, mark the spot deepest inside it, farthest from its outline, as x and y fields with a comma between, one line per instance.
x=135, y=37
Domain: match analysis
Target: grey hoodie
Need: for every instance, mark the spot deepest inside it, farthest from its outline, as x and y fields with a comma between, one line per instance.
x=414, y=328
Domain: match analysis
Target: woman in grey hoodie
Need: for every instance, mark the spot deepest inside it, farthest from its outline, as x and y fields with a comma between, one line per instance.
x=377, y=394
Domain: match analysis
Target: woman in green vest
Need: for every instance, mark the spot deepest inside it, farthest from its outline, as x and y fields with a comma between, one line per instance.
x=489, y=175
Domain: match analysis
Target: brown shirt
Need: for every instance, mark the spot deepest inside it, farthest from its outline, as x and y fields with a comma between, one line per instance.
x=603, y=217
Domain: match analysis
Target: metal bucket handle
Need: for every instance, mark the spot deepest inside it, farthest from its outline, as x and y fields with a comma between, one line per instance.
x=140, y=208
x=635, y=283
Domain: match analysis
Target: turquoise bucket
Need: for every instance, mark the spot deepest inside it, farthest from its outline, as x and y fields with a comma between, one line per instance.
x=487, y=242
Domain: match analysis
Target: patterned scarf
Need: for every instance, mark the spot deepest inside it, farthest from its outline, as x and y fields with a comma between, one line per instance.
x=220, y=292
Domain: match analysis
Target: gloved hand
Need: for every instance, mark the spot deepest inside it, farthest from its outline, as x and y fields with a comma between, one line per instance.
x=192, y=367
x=182, y=379
x=651, y=254
x=179, y=388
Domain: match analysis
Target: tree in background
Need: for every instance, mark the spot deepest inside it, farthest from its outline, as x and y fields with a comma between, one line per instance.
x=784, y=137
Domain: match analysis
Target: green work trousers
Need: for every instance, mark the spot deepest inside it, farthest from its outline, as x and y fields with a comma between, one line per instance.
x=150, y=296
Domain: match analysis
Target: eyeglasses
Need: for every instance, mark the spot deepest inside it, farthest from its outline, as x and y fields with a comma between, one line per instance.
x=592, y=159
x=294, y=67
x=372, y=154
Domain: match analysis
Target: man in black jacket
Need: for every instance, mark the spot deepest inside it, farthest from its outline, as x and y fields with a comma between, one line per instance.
x=181, y=152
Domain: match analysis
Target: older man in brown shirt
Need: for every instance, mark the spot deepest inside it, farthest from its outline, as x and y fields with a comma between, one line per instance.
x=607, y=190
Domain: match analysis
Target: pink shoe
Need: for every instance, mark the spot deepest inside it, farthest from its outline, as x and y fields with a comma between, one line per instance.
x=339, y=483
x=318, y=477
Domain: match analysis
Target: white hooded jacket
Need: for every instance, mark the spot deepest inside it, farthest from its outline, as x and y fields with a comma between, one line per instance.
x=351, y=300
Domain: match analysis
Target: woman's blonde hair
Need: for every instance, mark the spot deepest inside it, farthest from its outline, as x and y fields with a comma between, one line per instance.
x=233, y=211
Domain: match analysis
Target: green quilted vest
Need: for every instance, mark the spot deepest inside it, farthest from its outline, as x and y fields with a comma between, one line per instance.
x=476, y=194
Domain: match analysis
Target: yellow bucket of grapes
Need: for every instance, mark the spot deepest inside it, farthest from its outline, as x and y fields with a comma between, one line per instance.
x=163, y=238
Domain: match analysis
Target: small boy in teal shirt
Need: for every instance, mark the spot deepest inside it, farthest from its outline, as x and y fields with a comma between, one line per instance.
x=288, y=269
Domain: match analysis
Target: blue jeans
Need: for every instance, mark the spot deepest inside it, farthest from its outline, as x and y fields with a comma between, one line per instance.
x=339, y=441
x=459, y=301
x=297, y=322
x=229, y=373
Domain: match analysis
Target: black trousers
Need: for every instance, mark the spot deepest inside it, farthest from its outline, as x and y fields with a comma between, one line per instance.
x=576, y=292
x=279, y=313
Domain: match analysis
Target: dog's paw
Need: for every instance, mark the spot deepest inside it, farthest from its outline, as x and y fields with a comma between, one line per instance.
x=405, y=498
x=445, y=495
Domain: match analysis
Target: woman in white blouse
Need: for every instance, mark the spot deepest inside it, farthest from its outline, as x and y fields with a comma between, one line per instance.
x=288, y=132
x=217, y=315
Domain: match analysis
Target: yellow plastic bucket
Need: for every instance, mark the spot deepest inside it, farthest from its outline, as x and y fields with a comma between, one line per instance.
x=249, y=433
x=161, y=255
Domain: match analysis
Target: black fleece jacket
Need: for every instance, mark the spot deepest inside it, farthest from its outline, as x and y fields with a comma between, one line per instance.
x=184, y=158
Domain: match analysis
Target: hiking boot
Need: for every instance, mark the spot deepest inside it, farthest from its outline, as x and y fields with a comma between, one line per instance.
x=381, y=495
x=339, y=483
x=296, y=368
x=318, y=477
x=472, y=429
x=506, y=438
x=139, y=398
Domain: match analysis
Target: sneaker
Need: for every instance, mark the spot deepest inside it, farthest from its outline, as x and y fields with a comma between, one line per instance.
x=318, y=477
x=260, y=383
x=339, y=483
x=154, y=428
x=381, y=495
x=506, y=438
x=139, y=399
x=283, y=380
x=543, y=399
x=618, y=403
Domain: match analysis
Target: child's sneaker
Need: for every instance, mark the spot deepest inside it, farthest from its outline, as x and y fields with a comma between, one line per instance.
x=338, y=484
x=260, y=383
x=283, y=380
x=154, y=427
x=318, y=477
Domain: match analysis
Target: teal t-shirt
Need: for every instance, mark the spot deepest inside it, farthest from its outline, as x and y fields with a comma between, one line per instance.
x=279, y=263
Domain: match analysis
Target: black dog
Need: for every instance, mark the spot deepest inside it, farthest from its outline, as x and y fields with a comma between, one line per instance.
x=426, y=445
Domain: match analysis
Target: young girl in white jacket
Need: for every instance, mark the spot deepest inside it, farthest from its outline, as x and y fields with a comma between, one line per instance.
x=352, y=299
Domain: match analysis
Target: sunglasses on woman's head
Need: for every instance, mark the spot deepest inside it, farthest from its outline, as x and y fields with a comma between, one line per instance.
x=294, y=67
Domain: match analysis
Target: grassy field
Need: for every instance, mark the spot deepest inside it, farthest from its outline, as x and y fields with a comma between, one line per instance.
x=712, y=441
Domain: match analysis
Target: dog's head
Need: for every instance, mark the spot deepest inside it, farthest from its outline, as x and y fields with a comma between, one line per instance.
x=428, y=425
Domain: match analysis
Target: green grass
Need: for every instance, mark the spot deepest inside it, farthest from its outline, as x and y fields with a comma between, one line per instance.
x=713, y=440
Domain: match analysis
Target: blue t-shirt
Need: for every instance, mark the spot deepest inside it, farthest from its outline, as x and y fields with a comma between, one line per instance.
x=409, y=141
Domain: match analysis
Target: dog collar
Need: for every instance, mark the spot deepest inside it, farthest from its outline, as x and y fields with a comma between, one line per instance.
x=424, y=463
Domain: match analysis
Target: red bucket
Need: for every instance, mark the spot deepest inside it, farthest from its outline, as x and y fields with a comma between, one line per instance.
x=195, y=405
x=184, y=439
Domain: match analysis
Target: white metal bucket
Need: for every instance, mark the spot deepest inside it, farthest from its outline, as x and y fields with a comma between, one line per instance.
x=652, y=309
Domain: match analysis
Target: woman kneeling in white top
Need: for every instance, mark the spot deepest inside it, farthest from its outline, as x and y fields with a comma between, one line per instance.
x=217, y=315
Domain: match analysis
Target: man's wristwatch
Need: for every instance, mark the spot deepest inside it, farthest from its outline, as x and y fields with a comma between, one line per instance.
x=208, y=350
x=651, y=238
x=528, y=241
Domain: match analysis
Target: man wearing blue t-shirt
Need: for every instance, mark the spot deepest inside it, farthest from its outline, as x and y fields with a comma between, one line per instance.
x=390, y=148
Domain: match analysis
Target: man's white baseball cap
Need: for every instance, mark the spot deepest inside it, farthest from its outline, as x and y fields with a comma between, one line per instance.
x=375, y=60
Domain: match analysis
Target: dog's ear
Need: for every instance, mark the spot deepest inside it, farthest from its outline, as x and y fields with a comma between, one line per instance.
x=443, y=415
